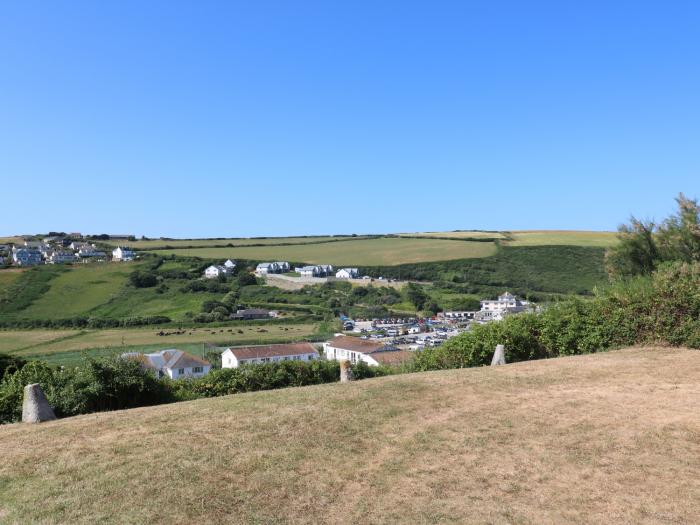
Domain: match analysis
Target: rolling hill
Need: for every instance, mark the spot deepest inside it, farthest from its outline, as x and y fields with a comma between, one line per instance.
x=609, y=437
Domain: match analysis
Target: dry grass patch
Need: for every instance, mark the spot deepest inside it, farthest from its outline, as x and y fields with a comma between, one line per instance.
x=385, y=251
x=608, y=438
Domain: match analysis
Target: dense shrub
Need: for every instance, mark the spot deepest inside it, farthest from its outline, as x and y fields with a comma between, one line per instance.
x=96, y=385
x=85, y=322
x=10, y=364
x=662, y=308
x=141, y=279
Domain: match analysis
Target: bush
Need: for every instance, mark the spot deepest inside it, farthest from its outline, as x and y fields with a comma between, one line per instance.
x=141, y=279
x=662, y=308
x=96, y=385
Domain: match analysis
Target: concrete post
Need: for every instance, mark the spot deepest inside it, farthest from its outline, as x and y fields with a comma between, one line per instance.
x=345, y=371
x=499, y=356
x=35, y=407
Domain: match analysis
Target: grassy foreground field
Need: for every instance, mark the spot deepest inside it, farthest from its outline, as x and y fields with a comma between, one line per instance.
x=606, y=438
x=67, y=347
x=376, y=252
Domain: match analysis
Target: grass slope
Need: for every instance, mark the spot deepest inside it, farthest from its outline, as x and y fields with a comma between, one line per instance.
x=607, y=438
x=79, y=289
x=383, y=251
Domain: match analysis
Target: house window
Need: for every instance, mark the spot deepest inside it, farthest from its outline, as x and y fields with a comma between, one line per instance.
x=181, y=371
x=197, y=370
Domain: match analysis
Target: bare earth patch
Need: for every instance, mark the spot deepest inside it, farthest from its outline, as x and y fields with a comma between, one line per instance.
x=607, y=438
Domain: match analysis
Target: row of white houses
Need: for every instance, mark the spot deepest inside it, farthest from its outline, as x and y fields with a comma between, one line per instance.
x=177, y=364
x=33, y=253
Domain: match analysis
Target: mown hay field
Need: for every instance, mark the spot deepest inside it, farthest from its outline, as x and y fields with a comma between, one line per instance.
x=386, y=251
x=605, y=438
x=562, y=237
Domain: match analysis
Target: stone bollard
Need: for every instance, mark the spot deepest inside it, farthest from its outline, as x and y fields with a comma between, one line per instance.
x=345, y=371
x=499, y=356
x=35, y=407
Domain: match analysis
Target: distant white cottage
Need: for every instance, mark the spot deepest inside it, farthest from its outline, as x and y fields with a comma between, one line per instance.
x=172, y=363
x=230, y=264
x=355, y=349
x=122, y=254
x=347, y=273
x=496, y=309
x=26, y=256
x=215, y=271
x=272, y=267
x=236, y=356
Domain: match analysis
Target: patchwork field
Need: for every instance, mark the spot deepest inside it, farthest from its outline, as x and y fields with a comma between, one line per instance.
x=66, y=346
x=376, y=252
x=606, y=438
x=460, y=234
x=160, y=243
x=562, y=237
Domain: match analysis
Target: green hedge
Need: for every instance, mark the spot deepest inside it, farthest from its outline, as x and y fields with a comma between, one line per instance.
x=663, y=308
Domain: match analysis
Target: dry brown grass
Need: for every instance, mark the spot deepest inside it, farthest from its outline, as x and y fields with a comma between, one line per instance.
x=607, y=438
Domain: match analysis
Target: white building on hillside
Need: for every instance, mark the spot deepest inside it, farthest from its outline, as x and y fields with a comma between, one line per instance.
x=172, y=363
x=230, y=264
x=215, y=271
x=122, y=254
x=347, y=273
x=495, y=310
x=60, y=257
x=267, y=267
x=26, y=256
x=283, y=266
x=355, y=349
x=235, y=356
x=308, y=271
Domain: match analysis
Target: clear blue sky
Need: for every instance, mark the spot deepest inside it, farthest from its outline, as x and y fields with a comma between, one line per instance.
x=277, y=118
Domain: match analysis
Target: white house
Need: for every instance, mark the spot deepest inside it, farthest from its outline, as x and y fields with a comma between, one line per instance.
x=265, y=268
x=309, y=271
x=122, y=254
x=235, y=356
x=172, y=363
x=230, y=264
x=325, y=269
x=26, y=256
x=58, y=257
x=283, y=266
x=506, y=303
x=347, y=273
x=213, y=272
x=79, y=245
x=355, y=349
x=89, y=250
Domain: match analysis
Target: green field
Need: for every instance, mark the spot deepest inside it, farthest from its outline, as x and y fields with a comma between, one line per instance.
x=80, y=289
x=68, y=346
x=385, y=251
x=7, y=277
x=160, y=243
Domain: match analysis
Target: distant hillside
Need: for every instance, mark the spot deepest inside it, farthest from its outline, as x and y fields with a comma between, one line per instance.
x=605, y=438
